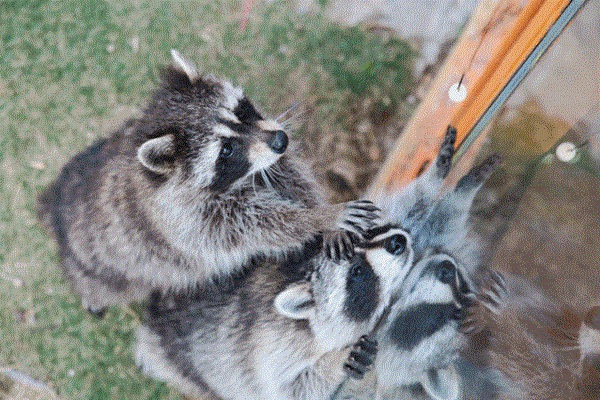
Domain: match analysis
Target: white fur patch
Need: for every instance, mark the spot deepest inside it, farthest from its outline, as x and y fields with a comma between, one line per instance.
x=589, y=340
x=228, y=115
x=231, y=94
x=204, y=166
x=224, y=131
x=261, y=157
x=269, y=125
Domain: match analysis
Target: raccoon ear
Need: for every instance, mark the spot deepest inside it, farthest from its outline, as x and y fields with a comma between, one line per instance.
x=442, y=384
x=184, y=65
x=296, y=301
x=158, y=154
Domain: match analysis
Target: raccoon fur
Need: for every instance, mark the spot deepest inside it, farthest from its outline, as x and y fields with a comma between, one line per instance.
x=187, y=193
x=422, y=337
x=284, y=331
x=537, y=347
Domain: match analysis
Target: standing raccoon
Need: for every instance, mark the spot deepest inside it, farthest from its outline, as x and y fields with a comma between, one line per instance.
x=283, y=331
x=422, y=337
x=189, y=192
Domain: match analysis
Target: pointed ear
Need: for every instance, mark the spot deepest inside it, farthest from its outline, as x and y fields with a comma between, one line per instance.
x=442, y=384
x=158, y=154
x=184, y=65
x=296, y=301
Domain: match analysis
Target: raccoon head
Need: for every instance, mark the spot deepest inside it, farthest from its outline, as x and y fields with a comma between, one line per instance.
x=343, y=301
x=422, y=333
x=420, y=339
x=205, y=131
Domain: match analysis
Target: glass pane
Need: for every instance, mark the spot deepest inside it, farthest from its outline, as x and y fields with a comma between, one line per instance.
x=544, y=218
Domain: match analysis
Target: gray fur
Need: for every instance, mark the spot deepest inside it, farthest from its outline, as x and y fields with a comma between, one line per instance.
x=272, y=334
x=160, y=204
x=421, y=338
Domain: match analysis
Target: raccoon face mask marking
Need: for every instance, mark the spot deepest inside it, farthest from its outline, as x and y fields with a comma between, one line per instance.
x=343, y=300
x=216, y=137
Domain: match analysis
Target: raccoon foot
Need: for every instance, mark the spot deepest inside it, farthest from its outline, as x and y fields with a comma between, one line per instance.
x=97, y=313
x=338, y=245
x=359, y=217
x=361, y=357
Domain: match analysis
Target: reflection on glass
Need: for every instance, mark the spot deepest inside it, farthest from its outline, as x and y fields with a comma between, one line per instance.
x=545, y=219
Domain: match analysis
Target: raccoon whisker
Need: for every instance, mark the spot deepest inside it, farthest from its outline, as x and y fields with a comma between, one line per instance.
x=275, y=172
x=271, y=178
x=266, y=179
x=275, y=176
x=254, y=183
x=293, y=107
x=570, y=348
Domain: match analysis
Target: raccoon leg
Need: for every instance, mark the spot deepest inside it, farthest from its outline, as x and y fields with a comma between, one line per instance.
x=152, y=360
x=101, y=288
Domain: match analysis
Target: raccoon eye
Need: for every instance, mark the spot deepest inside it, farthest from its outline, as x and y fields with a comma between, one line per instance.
x=356, y=272
x=395, y=244
x=227, y=150
x=445, y=272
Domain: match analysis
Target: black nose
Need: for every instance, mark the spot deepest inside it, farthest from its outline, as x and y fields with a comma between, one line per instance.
x=278, y=141
x=445, y=272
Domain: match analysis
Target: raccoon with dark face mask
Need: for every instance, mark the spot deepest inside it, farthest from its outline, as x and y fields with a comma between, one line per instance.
x=275, y=334
x=422, y=336
x=189, y=192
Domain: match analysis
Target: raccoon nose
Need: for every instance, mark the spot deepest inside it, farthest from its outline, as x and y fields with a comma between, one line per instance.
x=445, y=272
x=278, y=141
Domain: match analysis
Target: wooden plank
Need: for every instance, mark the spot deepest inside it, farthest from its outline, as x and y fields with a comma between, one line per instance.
x=497, y=39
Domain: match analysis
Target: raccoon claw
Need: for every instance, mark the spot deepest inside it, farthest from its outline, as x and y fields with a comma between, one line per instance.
x=491, y=297
x=361, y=358
x=97, y=313
x=469, y=325
x=339, y=245
x=359, y=217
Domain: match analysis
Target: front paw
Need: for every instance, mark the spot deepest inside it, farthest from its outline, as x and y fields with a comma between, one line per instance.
x=338, y=245
x=495, y=291
x=361, y=357
x=359, y=216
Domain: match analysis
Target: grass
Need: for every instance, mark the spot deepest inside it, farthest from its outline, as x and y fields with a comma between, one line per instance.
x=71, y=71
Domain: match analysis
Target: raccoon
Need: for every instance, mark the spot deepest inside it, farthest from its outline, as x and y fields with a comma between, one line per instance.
x=278, y=333
x=189, y=192
x=537, y=347
x=422, y=337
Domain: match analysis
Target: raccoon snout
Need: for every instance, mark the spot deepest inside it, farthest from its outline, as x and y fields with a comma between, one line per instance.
x=277, y=141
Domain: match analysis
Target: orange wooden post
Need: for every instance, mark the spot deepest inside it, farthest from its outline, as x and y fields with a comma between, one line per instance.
x=498, y=38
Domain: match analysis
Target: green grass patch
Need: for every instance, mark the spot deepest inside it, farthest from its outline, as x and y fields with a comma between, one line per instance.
x=73, y=70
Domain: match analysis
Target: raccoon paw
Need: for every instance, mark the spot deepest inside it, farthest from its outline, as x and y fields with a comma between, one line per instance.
x=361, y=357
x=338, y=245
x=97, y=313
x=494, y=292
x=359, y=216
